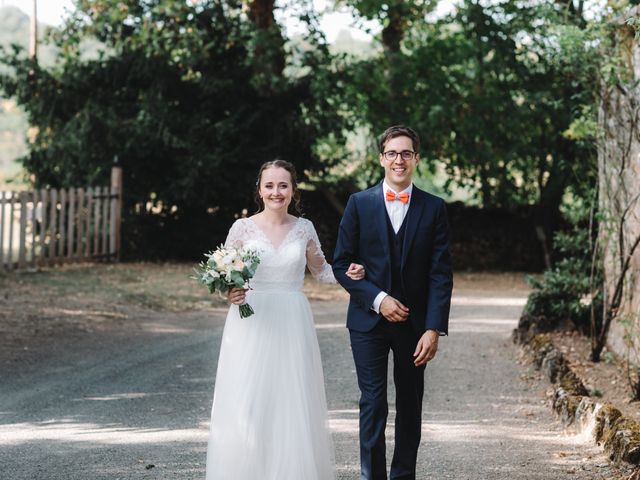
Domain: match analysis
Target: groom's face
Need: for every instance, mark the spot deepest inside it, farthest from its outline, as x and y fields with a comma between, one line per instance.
x=398, y=172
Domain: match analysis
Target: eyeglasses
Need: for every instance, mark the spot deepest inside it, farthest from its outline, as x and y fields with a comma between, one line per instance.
x=391, y=155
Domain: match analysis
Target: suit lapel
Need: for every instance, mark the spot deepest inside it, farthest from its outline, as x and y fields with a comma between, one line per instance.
x=414, y=214
x=380, y=215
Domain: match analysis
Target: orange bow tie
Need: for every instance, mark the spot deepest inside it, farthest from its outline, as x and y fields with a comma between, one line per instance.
x=403, y=197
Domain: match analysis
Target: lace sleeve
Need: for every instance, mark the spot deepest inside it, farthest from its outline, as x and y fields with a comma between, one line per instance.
x=236, y=233
x=316, y=262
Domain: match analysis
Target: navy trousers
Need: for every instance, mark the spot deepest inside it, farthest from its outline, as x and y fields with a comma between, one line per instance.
x=370, y=353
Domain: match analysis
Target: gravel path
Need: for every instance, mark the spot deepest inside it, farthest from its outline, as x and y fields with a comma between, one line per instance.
x=134, y=402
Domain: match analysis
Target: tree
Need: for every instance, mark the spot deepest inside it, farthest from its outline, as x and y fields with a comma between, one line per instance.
x=395, y=16
x=178, y=96
x=494, y=89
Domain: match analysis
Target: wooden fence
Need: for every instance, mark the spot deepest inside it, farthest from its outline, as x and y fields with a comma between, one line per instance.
x=51, y=226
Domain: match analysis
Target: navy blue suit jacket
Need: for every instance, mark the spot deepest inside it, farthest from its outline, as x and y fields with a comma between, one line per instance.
x=427, y=279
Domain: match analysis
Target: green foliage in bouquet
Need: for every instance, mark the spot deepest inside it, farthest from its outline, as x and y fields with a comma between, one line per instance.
x=227, y=268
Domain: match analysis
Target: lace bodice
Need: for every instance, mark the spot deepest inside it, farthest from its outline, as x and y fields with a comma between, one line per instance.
x=282, y=267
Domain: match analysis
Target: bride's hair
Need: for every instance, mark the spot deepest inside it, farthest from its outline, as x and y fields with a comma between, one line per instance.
x=294, y=183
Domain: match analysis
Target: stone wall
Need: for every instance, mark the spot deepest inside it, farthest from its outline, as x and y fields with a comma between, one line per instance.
x=619, y=187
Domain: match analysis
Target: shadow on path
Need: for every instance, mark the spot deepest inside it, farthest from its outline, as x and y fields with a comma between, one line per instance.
x=109, y=406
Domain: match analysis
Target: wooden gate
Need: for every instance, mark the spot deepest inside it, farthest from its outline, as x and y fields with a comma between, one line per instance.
x=55, y=226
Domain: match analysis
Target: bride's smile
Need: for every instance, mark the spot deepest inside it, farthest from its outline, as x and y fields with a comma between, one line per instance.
x=269, y=418
x=275, y=188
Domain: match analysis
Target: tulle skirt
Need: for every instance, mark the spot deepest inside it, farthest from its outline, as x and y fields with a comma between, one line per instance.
x=269, y=415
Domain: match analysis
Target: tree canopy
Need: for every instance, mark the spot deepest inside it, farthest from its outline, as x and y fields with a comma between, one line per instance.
x=491, y=89
x=191, y=97
x=179, y=97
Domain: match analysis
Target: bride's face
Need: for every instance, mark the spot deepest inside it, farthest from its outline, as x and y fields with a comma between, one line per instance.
x=276, y=188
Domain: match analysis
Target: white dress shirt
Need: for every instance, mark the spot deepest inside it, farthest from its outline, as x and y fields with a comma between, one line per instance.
x=396, y=210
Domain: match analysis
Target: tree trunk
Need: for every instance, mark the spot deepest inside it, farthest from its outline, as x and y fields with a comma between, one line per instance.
x=269, y=54
x=393, y=32
x=33, y=44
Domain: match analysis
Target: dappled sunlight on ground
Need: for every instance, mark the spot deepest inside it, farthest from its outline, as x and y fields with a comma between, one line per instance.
x=492, y=301
x=326, y=326
x=464, y=324
x=132, y=399
x=84, y=312
x=344, y=425
x=67, y=430
x=486, y=321
x=483, y=432
x=164, y=328
x=118, y=396
x=344, y=421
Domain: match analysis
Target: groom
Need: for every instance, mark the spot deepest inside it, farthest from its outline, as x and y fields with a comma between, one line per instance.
x=400, y=234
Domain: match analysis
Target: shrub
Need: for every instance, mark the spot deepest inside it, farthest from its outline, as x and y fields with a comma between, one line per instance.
x=565, y=293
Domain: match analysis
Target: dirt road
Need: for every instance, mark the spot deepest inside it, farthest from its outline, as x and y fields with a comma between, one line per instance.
x=133, y=402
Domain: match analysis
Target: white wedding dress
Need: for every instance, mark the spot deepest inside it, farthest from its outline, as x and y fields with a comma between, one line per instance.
x=269, y=415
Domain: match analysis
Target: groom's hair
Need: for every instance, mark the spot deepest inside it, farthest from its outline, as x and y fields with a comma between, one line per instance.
x=399, y=131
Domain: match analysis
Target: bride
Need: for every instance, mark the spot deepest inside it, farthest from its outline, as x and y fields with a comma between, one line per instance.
x=269, y=415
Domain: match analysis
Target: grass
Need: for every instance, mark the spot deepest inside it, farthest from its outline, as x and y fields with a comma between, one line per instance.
x=158, y=286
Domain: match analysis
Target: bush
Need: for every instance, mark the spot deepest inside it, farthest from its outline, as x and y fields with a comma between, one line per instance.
x=178, y=94
x=564, y=293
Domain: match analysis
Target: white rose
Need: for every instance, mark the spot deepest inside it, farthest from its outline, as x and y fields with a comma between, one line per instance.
x=238, y=264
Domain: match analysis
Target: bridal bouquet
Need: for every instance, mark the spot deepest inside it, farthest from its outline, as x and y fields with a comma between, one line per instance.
x=227, y=268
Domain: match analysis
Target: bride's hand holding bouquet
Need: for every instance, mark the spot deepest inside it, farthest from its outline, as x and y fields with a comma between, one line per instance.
x=228, y=271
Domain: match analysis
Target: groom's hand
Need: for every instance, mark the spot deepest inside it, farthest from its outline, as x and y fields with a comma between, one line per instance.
x=426, y=348
x=393, y=310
